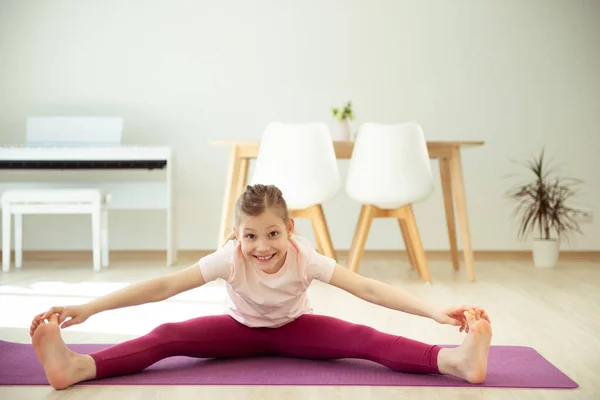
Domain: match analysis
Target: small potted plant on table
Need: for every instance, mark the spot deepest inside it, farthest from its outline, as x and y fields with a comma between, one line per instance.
x=343, y=115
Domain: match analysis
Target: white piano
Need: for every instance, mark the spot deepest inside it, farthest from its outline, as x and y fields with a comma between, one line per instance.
x=84, y=152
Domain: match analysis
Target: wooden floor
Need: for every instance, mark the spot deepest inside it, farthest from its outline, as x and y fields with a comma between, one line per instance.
x=555, y=311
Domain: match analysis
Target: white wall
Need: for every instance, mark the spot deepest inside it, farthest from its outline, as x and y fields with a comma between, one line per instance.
x=515, y=74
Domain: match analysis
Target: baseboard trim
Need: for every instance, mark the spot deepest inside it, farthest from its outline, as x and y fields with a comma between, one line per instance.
x=188, y=256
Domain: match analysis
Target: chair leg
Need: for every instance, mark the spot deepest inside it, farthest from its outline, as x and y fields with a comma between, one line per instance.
x=415, y=239
x=307, y=213
x=407, y=243
x=6, y=238
x=317, y=218
x=18, y=240
x=367, y=213
x=96, y=239
x=318, y=240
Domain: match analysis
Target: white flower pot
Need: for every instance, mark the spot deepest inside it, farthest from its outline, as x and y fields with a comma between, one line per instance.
x=342, y=131
x=545, y=253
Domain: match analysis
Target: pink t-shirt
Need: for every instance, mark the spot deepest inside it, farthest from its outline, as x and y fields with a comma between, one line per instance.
x=258, y=299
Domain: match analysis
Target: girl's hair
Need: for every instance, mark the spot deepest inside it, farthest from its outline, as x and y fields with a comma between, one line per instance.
x=258, y=199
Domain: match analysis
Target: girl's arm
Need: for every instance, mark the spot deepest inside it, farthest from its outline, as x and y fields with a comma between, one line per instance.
x=148, y=291
x=379, y=293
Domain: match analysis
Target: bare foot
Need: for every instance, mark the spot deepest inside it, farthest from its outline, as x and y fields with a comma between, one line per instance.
x=63, y=367
x=469, y=360
x=34, y=324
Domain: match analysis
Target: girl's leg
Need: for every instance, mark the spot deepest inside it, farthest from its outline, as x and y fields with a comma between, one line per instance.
x=322, y=337
x=210, y=336
x=218, y=336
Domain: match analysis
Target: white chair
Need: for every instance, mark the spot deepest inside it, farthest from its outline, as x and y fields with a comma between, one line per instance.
x=388, y=172
x=18, y=202
x=300, y=160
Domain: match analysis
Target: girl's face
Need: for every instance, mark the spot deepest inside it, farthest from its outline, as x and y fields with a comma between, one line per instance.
x=264, y=239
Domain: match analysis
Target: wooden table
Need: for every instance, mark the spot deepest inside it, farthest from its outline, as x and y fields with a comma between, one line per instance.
x=447, y=152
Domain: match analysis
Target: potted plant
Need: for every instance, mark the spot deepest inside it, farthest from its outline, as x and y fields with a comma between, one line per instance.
x=542, y=206
x=343, y=115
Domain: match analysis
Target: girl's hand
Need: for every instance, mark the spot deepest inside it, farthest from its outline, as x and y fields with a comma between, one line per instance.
x=455, y=316
x=77, y=314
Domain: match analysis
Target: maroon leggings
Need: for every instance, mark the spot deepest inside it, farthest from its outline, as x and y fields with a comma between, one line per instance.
x=309, y=336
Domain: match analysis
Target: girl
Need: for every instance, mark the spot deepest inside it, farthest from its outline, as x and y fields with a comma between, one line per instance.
x=267, y=269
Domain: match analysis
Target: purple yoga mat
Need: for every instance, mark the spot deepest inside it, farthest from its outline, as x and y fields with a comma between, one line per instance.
x=509, y=366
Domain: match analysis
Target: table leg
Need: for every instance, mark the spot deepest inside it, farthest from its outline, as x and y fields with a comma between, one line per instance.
x=458, y=188
x=244, y=166
x=236, y=179
x=449, y=207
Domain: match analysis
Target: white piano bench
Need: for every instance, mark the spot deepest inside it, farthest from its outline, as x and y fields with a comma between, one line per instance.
x=18, y=202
